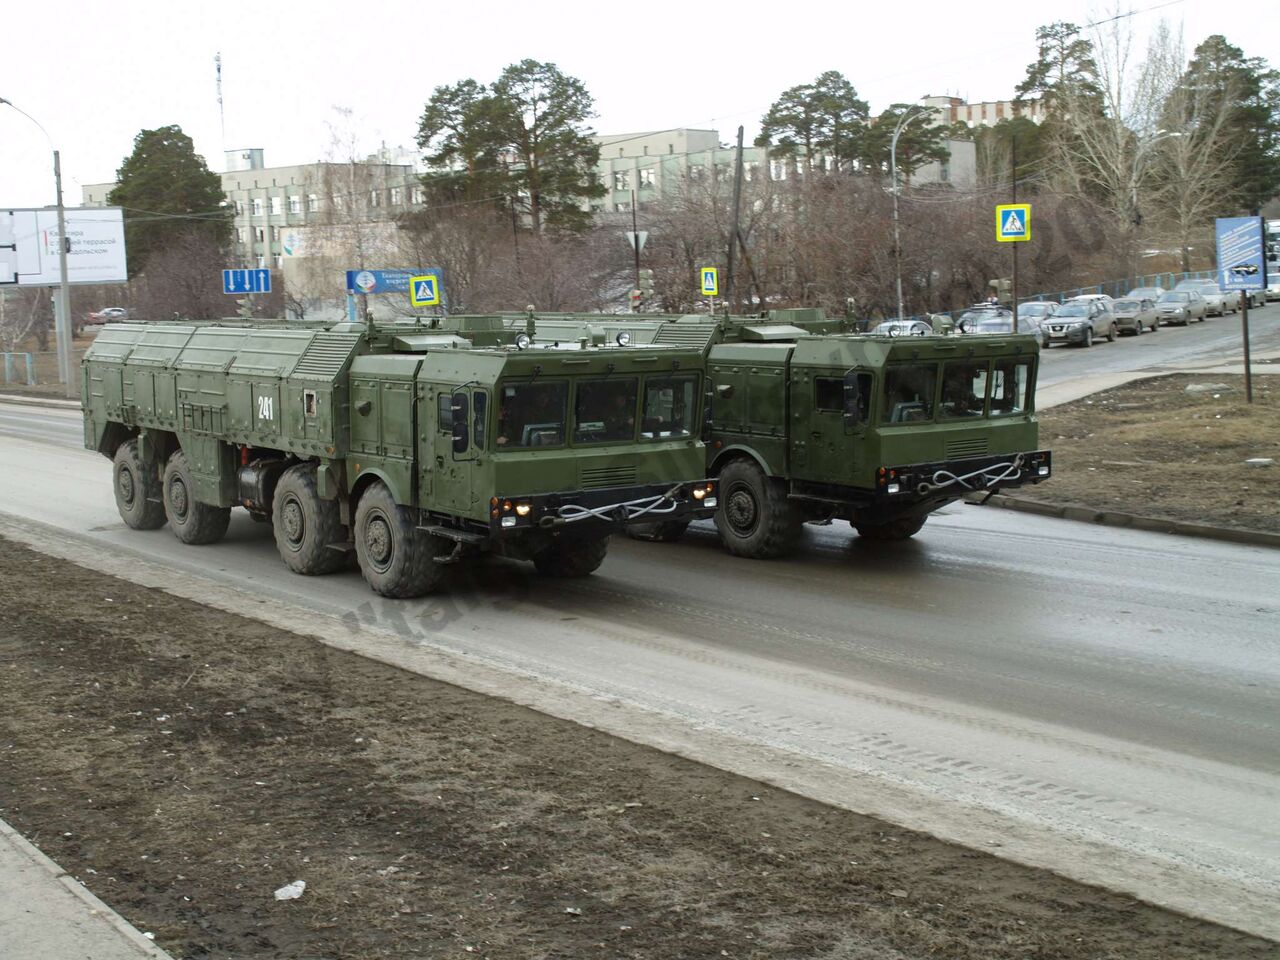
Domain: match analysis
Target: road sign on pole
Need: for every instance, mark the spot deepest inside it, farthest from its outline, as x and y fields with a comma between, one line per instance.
x=710, y=282
x=240, y=282
x=1013, y=222
x=637, y=238
x=424, y=291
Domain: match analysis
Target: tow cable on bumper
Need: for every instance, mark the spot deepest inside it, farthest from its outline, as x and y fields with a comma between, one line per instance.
x=945, y=478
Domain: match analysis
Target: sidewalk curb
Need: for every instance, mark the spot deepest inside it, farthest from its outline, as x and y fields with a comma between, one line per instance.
x=95, y=907
x=26, y=401
x=1112, y=518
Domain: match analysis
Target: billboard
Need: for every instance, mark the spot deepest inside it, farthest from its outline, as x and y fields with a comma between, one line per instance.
x=1242, y=263
x=96, y=253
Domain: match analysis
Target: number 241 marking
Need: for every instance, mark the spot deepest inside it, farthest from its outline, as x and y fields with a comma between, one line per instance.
x=264, y=409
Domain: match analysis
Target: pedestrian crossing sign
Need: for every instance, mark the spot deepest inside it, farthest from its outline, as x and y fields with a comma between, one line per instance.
x=1013, y=222
x=710, y=282
x=424, y=291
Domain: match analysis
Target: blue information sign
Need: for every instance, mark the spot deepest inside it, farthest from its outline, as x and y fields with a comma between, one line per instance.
x=1242, y=261
x=379, y=281
x=246, y=281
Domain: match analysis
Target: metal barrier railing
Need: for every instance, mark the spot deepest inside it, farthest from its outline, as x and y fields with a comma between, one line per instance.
x=10, y=368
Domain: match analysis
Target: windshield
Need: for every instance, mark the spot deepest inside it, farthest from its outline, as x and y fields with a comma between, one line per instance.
x=670, y=406
x=532, y=414
x=1128, y=305
x=1175, y=297
x=1209, y=288
x=605, y=410
x=908, y=392
x=1009, y=387
x=1034, y=310
x=1073, y=310
x=964, y=389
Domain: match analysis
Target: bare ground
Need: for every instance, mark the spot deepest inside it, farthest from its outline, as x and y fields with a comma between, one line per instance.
x=1151, y=448
x=185, y=763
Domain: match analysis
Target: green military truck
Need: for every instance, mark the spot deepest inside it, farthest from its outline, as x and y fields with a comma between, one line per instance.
x=411, y=449
x=811, y=423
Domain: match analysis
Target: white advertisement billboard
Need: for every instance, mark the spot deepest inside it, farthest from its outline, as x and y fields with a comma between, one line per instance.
x=96, y=253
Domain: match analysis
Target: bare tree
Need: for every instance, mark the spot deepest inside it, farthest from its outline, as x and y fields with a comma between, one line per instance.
x=183, y=279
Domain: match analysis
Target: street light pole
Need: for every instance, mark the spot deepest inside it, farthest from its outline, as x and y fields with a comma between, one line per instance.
x=62, y=313
x=893, y=176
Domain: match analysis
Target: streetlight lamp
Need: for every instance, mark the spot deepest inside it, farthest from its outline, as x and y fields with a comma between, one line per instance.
x=62, y=317
x=893, y=176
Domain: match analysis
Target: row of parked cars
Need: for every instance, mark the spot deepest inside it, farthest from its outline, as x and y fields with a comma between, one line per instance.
x=1082, y=320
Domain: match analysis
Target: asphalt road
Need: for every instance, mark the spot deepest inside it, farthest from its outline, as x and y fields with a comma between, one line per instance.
x=1103, y=701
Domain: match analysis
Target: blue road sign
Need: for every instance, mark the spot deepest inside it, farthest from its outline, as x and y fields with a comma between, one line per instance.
x=1242, y=261
x=379, y=281
x=1013, y=222
x=246, y=281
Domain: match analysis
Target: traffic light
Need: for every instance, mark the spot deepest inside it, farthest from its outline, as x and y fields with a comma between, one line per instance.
x=646, y=282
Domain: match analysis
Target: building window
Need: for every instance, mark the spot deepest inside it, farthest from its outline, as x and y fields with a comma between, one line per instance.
x=276, y=261
x=259, y=234
x=749, y=170
x=239, y=208
x=646, y=150
x=397, y=196
x=620, y=153
x=275, y=234
x=696, y=171
x=671, y=148
x=375, y=198
x=277, y=206
x=295, y=204
x=336, y=201
x=418, y=195
x=622, y=179
x=257, y=206
x=621, y=207
x=647, y=178
x=778, y=170
x=313, y=202
x=239, y=234
x=262, y=261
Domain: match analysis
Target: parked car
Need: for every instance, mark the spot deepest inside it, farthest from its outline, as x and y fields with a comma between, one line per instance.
x=1216, y=301
x=107, y=315
x=1040, y=309
x=1135, y=314
x=1002, y=323
x=903, y=328
x=1081, y=320
x=1181, y=307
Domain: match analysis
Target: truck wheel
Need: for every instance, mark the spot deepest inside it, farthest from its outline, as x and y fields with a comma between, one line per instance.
x=572, y=558
x=665, y=531
x=309, y=530
x=755, y=519
x=190, y=520
x=396, y=558
x=137, y=489
x=901, y=529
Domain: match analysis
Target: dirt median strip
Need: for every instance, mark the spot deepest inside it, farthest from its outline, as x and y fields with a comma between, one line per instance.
x=185, y=763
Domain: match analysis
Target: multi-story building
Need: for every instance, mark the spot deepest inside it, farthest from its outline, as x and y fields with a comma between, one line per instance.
x=949, y=110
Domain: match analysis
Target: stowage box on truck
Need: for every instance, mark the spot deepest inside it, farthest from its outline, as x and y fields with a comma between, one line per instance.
x=413, y=449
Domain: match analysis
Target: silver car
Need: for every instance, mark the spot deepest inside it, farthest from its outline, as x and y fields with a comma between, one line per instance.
x=1135, y=314
x=1081, y=320
x=1181, y=307
x=1216, y=301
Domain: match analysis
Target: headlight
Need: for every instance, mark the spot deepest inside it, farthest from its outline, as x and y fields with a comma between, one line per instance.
x=523, y=341
x=523, y=509
x=623, y=338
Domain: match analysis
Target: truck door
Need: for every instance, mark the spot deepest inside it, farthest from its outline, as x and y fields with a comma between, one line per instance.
x=458, y=417
x=828, y=422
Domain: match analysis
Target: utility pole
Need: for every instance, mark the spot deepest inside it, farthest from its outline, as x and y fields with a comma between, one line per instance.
x=635, y=236
x=735, y=237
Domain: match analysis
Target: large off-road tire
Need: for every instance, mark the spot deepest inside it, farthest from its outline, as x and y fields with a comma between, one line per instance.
x=901, y=529
x=137, y=489
x=190, y=520
x=664, y=531
x=571, y=558
x=309, y=531
x=755, y=518
x=396, y=558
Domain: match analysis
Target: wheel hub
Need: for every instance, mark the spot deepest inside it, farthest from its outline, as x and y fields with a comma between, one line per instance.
x=178, y=497
x=741, y=510
x=125, y=486
x=294, y=522
x=377, y=540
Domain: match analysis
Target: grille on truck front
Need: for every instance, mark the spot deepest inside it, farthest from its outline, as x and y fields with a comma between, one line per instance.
x=591, y=477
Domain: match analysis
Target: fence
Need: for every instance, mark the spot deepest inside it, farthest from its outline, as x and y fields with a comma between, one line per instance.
x=10, y=368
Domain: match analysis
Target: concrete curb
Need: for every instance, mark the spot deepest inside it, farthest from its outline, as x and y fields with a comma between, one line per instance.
x=1112, y=518
x=27, y=401
x=117, y=934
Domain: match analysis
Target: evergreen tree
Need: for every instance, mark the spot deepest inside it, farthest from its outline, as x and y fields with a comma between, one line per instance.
x=1065, y=66
x=817, y=120
x=167, y=191
x=525, y=138
x=919, y=142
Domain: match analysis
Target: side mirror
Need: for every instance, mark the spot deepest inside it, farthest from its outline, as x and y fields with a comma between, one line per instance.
x=461, y=437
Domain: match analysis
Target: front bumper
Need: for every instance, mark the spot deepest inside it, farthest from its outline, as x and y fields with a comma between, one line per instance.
x=600, y=511
x=1059, y=334
x=953, y=478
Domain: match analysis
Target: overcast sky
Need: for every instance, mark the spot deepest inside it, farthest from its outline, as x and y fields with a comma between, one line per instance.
x=94, y=74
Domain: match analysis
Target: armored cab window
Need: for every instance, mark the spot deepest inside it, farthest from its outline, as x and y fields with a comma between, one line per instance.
x=479, y=415
x=309, y=403
x=964, y=389
x=605, y=410
x=532, y=414
x=670, y=406
x=444, y=412
x=1010, y=383
x=829, y=396
x=828, y=393
x=908, y=392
